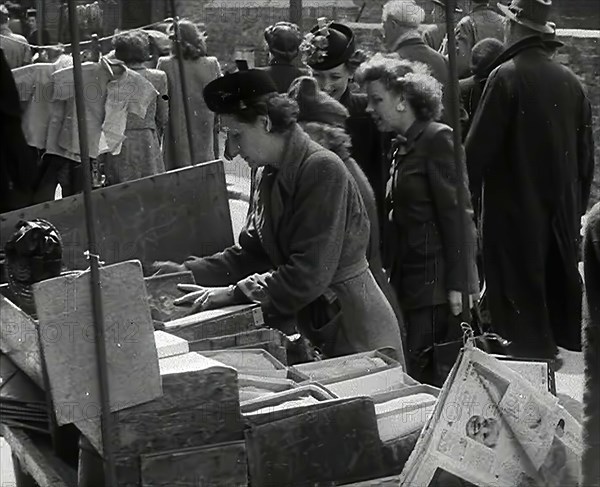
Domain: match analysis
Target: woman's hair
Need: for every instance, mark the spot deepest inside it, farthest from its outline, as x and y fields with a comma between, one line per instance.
x=333, y=138
x=409, y=79
x=191, y=39
x=132, y=47
x=358, y=57
x=281, y=110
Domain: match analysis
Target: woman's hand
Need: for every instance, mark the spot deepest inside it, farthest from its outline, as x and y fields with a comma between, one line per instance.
x=167, y=267
x=204, y=298
x=456, y=304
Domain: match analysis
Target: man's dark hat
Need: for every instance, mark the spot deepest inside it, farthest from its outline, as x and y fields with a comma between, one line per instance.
x=530, y=13
x=31, y=12
x=442, y=3
x=283, y=38
x=333, y=44
x=230, y=93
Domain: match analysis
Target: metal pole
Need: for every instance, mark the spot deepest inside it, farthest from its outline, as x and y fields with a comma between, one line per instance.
x=184, y=90
x=40, y=22
x=296, y=12
x=110, y=473
x=461, y=190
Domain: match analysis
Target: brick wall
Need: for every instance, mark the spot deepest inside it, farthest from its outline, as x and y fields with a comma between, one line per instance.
x=581, y=53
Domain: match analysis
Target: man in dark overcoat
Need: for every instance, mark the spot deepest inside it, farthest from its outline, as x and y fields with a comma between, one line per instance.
x=530, y=149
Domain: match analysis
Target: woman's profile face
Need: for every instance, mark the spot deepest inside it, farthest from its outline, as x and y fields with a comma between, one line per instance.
x=383, y=107
x=333, y=81
x=246, y=139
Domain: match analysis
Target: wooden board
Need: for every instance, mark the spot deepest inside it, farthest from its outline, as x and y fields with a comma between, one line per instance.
x=67, y=335
x=334, y=444
x=382, y=482
x=372, y=383
x=200, y=406
x=222, y=465
x=169, y=216
x=240, y=340
x=19, y=338
x=37, y=459
x=168, y=345
x=249, y=361
x=162, y=291
x=217, y=322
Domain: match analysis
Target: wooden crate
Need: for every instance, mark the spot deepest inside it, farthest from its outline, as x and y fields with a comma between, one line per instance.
x=271, y=404
x=221, y=465
x=250, y=361
x=346, y=367
x=371, y=383
x=333, y=444
x=239, y=340
x=162, y=290
x=200, y=406
x=217, y=322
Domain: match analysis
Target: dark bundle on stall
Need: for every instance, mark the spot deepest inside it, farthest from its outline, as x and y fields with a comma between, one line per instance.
x=33, y=254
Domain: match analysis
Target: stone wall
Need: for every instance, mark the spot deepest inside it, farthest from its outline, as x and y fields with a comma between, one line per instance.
x=568, y=14
x=581, y=53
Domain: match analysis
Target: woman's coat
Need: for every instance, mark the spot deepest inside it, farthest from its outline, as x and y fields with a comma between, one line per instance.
x=303, y=253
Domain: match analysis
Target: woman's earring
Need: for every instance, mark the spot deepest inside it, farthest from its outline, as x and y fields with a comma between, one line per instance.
x=400, y=107
x=268, y=124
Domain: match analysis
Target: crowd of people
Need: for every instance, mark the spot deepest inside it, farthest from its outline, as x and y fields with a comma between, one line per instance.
x=354, y=225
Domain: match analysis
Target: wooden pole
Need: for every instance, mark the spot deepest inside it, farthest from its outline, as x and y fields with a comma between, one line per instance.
x=461, y=190
x=40, y=21
x=184, y=89
x=296, y=12
x=110, y=473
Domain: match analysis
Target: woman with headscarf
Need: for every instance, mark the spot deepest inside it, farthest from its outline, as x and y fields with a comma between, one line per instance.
x=330, y=52
x=324, y=120
x=295, y=256
x=199, y=70
x=427, y=268
x=284, y=39
x=141, y=153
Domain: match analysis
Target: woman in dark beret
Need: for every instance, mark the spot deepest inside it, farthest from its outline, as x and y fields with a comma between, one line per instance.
x=426, y=268
x=141, y=153
x=331, y=53
x=284, y=39
x=303, y=252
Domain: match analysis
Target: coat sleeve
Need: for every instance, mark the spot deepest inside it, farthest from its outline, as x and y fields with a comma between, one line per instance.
x=444, y=190
x=316, y=240
x=489, y=130
x=585, y=148
x=232, y=264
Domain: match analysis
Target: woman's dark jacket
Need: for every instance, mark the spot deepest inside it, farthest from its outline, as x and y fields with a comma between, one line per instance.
x=367, y=146
x=424, y=223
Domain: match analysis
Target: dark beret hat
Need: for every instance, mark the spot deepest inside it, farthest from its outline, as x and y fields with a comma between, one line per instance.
x=283, y=38
x=338, y=48
x=229, y=93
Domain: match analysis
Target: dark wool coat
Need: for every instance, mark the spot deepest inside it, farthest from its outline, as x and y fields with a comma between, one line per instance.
x=17, y=167
x=530, y=147
x=414, y=49
x=367, y=146
x=284, y=73
x=591, y=350
x=307, y=239
x=424, y=228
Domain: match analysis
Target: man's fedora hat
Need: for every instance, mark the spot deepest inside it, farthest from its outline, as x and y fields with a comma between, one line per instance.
x=530, y=13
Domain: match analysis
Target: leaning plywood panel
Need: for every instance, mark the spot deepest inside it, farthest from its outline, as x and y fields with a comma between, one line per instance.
x=19, y=338
x=222, y=465
x=67, y=334
x=169, y=216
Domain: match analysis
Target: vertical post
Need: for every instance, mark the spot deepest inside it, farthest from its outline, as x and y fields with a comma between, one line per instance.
x=184, y=90
x=41, y=20
x=458, y=152
x=296, y=12
x=90, y=220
